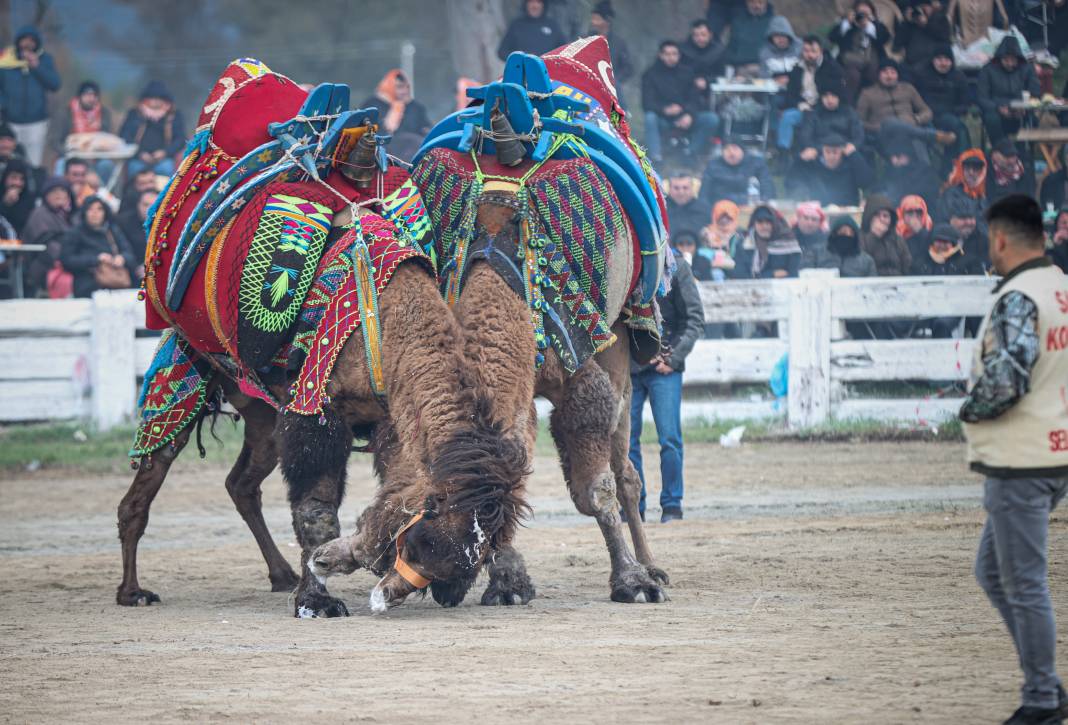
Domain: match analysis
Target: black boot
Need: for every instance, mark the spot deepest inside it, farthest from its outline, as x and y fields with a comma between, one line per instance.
x=1036, y=716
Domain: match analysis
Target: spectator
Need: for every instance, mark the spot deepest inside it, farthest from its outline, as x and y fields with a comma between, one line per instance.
x=1010, y=176
x=966, y=185
x=770, y=250
x=829, y=116
x=704, y=55
x=844, y=253
x=781, y=50
x=906, y=175
x=945, y=91
x=86, y=115
x=131, y=223
x=810, y=228
x=143, y=180
x=962, y=217
x=838, y=174
x=815, y=71
x=531, y=32
x=861, y=40
x=921, y=34
x=720, y=242
x=24, y=91
x=749, y=30
x=1003, y=80
x=601, y=18
x=671, y=101
x=661, y=382
x=155, y=126
x=96, y=252
x=686, y=213
x=400, y=114
x=914, y=225
x=76, y=174
x=720, y=13
x=728, y=177
x=880, y=239
x=1059, y=252
x=9, y=147
x=16, y=198
x=945, y=257
x=685, y=245
x=891, y=110
x=1055, y=186
x=47, y=224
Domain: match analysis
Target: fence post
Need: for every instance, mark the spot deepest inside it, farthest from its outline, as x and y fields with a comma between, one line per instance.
x=809, y=399
x=112, y=361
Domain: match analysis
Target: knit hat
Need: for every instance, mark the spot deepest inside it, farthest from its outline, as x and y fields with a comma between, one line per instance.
x=830, y=85
x=604, y=9
x=833, y=139
x=156, y=89
x=889, y=63
x=945, y=233
x=943, y=49
x=89, y=86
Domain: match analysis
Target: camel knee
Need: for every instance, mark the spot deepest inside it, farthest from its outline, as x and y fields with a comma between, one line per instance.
x=315, y=522
x=598, y=498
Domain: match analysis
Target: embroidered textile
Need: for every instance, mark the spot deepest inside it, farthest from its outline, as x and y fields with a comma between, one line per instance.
x=173, y=393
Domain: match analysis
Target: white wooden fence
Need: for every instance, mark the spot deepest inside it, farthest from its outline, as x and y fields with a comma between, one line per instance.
x=82, y=359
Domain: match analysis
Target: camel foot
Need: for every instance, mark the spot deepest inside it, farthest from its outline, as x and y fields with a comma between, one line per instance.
x=508, y=590
x=285, y=582
x=319, y=606
x=658, y=574
x=136, y=598
x=637, y=586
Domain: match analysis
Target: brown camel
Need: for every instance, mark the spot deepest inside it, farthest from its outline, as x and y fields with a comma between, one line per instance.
x=434, y=442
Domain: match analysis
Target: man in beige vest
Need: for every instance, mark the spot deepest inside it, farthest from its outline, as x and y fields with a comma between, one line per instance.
x=1016, y=421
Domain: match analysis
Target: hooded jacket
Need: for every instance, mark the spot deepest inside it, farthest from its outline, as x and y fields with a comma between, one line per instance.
x=781, y=251
x=24, y=90
x=531, y=35
x=166, y=134
x=774, y=61
x=82, y=246
x=845, y=253
x=663, y=86
x=748, y=33
x=944, y=93
x=997, y=86
x=723, y=181
x=889, y=252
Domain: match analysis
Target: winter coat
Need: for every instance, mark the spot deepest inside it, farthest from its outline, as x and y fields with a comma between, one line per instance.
x=921, y=42
x=132, y=227
x=24, y=91
x=774, y=61
x=915, y=178
x=166, y=134
x=811, y=244
x=997, y=87
x=663, y=86
x=784, y=253
x=878, y=103
x=944, y=93
x=851, y=262
x=723, y=181
x=82, y=246
x=959, y=264
x=828, y=74
x=19, y=212
x=707, y=62
x=683, y=317
x=748, y=33
x=820, y=122
x=531, y=35
x=691, y=217
x=977, y=246
x=955, y=198
x=415, y=119
x=889, y=252
x=839, y=186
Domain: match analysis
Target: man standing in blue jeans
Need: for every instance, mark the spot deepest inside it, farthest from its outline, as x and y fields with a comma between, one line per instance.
x=1016, y=421
x=661, y=383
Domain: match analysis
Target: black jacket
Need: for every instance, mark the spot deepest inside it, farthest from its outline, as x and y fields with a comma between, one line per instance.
x=683, y=317
x=663, y=86
x=828, y=74
x=415, y=120
x=819, y=122
x=167, y=134
x=997, y=87
x=691, y=217
x=723, y=181
x=920, y=42
x=20, y=211
x=748, y=35
x=81, y=247
x=944, y=93
x=839, y=186
x=705, y=62
x=531, y=35
x=959, y=264
x=915, y=178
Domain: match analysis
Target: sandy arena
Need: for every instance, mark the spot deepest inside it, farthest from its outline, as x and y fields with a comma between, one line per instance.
x=810, y=583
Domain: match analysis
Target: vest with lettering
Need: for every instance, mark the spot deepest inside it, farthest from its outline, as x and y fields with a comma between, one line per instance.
x=1033, y=434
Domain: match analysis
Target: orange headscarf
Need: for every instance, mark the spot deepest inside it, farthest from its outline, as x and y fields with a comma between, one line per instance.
x=712, y=233
x=912, y=202
x=956, y=178
x=387, y=91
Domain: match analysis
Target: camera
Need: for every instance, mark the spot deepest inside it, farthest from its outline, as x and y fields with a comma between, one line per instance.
x=861, y=17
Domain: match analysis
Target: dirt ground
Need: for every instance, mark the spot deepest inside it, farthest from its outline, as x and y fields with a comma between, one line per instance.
x=810, y=583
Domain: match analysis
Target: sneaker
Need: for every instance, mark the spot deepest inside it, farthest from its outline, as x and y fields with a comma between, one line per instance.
x=670, y=515
x=946, y=138
x=1036, y=716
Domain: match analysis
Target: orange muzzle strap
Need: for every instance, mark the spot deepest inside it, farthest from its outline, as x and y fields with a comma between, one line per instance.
x=404, y=569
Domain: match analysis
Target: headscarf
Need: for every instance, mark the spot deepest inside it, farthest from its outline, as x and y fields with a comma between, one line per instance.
x=956, y=178
x=387, y=91
x=811, y=207
x=1007, y=176
x=782, y=241
x=716, y=238
x=912, y=201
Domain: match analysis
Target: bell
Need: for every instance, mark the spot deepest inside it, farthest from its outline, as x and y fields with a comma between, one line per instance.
x=360, y=165
x=510, y=150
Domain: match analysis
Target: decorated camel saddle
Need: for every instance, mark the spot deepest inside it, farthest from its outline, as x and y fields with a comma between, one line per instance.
x=269, y=247
x=552, y=132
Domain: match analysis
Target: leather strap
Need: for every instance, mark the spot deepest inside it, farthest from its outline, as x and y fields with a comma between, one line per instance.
x=404, y=569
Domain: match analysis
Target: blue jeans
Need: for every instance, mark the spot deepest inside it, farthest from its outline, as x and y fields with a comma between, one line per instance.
x=1011, y=567
x=664, y=393
x=705, y=124
x=163, y=167
x=788, y=123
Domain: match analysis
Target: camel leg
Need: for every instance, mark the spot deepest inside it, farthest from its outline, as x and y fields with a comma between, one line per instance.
x=259, y=456
x=313, y=463
x=582, y=423
x=508, y=580
x=133, y=516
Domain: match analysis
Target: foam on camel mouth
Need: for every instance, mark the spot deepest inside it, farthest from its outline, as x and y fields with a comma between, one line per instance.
x=378, y=599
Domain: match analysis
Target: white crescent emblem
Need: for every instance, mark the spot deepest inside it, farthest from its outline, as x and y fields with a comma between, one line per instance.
x=602, y=67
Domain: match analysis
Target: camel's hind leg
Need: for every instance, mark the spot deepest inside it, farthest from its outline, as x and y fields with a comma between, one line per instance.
x=258, y=457
x=582, y=423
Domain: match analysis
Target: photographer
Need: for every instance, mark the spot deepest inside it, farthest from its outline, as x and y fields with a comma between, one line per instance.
x=923, y=31
x=861, y=41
